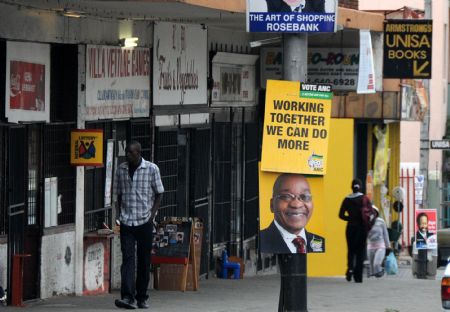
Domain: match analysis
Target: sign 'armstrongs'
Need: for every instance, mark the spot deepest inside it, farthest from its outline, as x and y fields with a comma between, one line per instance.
x=407, y=49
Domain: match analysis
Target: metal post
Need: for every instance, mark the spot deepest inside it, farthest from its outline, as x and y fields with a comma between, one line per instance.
x=293, y=266
x=293, y=291
x=422, y=264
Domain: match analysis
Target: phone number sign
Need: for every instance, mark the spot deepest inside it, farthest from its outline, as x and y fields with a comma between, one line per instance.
x=337, y=67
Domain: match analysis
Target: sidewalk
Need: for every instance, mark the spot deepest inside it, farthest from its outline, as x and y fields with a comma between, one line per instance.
x=400, y=293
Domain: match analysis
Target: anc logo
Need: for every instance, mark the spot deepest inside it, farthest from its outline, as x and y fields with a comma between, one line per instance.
x=315, y=162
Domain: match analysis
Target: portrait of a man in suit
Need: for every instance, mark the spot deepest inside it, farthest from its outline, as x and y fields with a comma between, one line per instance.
x=422, y=233
x=307, y=6
x=292, y=207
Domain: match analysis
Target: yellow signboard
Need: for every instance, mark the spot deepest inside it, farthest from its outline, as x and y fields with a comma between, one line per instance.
x=296, y=127
x=86, y=147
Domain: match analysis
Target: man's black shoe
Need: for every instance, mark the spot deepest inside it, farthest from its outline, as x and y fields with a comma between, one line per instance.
x=125, y=304
x=348, y=275
x=143, y=304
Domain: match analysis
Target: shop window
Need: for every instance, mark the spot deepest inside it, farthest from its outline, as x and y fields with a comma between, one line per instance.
x=94, y=185
x=3, y=206
x=97, y=213
x=222, y=182
x=56, y=155
x=166, y=158
x=34, y=158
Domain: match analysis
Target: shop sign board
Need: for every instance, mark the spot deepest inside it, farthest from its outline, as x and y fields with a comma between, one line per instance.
x=337, y=67
x=180, y=64
x=407, y=49
x=296, y=16
x=234, y=79
x=296, y=127
x=117, y=82
x=440, y=144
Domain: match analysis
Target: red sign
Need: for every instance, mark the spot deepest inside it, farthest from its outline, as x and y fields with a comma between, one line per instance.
x=27, y=86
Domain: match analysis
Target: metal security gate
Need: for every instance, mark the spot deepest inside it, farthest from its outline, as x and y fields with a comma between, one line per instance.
x=221, y=182
x=166, y=157
x=199, y=187
x=32, y=233
x=16, y=177
x=183, y=157
x=251, y=195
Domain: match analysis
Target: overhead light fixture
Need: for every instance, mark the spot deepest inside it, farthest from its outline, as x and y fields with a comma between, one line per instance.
x=72, y=13
x=128, y=42
x=258, y=43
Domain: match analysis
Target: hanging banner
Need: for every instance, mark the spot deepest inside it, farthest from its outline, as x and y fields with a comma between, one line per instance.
x=425, y=229
x=366, y=73
x=180, y=64
x=86, y=147
x=117, y=82
x=291, y=16
x=414, y=99
x=381, y=162
x=27, y=82
x=296, y=127
x=234, y=79
x=407, y=49
x=109, y=172
x=337, y=67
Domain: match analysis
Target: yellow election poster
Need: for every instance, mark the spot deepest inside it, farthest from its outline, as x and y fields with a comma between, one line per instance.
x=296, y=127
x=86, y=147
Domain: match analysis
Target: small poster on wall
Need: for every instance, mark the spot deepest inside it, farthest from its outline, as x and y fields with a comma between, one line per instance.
x=86, y=147
x=27, y=82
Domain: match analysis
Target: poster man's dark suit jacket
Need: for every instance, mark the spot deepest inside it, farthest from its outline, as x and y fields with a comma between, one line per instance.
x=311, y=6
x=420, y=240
x=273, y=242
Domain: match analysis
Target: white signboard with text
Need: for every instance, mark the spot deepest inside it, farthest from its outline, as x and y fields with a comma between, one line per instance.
x=234, y=79
x=117, y=82
x=180, y=64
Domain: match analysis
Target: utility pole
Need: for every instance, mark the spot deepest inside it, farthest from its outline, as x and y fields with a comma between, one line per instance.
x=293, y=292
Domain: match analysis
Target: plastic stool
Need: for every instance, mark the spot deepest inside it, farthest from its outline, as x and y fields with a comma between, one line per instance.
x=230, y=265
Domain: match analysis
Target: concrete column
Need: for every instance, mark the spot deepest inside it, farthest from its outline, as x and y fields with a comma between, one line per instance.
x=79, y=199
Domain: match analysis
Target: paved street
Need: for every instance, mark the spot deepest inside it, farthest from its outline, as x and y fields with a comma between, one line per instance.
x=400, y=293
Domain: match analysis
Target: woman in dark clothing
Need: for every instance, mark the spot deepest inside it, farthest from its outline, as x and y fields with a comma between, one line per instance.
x=356, y=232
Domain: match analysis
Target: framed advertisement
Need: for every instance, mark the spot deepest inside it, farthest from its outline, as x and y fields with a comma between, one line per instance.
x=27, y=96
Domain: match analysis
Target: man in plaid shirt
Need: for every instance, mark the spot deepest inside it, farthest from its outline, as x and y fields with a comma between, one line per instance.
x=138, y=187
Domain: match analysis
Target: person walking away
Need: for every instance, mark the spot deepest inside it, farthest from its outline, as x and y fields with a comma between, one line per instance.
x=139, y=189
x=377, y=244
x=356, y=232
